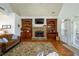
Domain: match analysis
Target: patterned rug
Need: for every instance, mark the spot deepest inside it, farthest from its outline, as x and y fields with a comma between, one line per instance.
x=30, y=49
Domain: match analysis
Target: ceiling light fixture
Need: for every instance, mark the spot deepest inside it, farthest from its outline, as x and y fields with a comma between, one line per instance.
x=53, y=12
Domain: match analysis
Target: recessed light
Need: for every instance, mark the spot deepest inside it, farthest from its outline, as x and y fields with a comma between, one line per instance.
x=53, y=12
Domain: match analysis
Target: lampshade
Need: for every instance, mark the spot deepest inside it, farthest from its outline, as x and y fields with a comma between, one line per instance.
x=2, y=31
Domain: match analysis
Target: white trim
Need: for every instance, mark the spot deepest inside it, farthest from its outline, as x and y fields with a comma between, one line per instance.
x=39, y=17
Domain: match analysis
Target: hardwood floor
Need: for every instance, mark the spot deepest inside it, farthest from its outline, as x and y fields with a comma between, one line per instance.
x=63, y=51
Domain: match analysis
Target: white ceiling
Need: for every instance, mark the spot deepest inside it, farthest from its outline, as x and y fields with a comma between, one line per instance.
x=37, y=9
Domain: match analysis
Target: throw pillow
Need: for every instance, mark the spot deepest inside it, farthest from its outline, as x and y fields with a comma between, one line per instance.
x=4, y=40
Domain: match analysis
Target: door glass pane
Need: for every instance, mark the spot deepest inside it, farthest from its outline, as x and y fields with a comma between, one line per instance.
x=76, y=32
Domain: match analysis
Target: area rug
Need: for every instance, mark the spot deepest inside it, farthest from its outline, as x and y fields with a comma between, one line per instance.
x=30, y=49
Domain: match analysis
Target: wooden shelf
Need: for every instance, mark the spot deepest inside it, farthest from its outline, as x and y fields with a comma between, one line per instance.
x=51, y=28
x=26, y=29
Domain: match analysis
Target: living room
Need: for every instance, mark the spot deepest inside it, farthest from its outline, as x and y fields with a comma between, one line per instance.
x=39, y=29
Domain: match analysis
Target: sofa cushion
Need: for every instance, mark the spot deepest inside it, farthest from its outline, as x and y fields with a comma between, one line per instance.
x=8, y=36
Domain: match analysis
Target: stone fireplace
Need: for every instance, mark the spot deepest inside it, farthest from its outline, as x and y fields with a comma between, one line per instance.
x=39, y=33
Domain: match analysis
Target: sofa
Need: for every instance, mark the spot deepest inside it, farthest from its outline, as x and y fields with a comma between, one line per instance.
x=4, y=47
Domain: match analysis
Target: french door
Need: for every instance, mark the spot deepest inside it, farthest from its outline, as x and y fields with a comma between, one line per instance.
x=66, y=30
x=76, y=32
x=70, y=31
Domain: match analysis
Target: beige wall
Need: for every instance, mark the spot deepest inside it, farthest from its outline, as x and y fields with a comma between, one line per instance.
x=10, y=18
x=7, y=20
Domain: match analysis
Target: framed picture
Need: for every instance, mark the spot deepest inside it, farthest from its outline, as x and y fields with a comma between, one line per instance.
x=6, y=26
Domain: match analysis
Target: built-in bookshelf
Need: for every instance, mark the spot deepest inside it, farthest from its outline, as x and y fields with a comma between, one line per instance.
x=51, y=28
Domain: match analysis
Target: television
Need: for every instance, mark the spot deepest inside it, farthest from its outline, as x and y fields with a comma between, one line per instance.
x=39, y=20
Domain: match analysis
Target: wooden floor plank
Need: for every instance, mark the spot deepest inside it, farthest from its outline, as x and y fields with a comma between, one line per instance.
x=61, y=49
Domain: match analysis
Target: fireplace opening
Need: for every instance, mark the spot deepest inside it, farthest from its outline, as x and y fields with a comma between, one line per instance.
x=39, y=34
